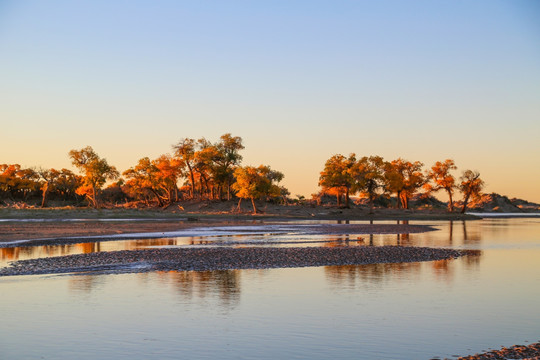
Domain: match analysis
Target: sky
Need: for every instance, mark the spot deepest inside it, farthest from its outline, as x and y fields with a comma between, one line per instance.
x=299, y=81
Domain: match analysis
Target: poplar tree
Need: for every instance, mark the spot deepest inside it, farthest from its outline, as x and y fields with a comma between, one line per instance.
x=442, y=180
x=96, y=171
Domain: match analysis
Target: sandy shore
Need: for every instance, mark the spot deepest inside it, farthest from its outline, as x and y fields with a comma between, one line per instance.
x=203, y=259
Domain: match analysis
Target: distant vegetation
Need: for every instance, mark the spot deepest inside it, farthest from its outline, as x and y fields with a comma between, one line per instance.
x=196, y=170
x=372, y=178
x=199, y=170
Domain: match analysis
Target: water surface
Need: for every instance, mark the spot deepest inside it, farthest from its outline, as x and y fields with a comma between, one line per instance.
x=385, y=311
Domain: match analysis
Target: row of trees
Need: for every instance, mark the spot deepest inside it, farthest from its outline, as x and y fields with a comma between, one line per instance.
x=209, y=170
x=21, y=184
x=372, y=176
x=200, y=169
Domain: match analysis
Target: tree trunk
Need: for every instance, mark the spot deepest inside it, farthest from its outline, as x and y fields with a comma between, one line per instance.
x=338, y=199
x=239, y=202
x=201, y=187
x=158, y=198
x=94, y=197
x=192, y=178
x=44, y=194
x=347, y=198
x=404, y=200
x=254, y=207
x=451, y=202
x=465, y=202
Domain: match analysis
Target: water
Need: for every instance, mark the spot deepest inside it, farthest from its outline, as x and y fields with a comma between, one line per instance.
x=385, y=311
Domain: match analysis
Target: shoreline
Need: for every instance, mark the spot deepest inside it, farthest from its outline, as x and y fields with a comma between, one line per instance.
x=204, y=211
x=210, y=259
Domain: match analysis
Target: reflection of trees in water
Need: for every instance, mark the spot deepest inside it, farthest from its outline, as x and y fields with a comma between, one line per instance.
x=403, y=239
x=85, y=283
x=363, y=274
x=443, y=269
x=29, y=252
x=202, y=284
x=91, y=247
x=471, y=236
x=472, y=261
x=345, y=240
x=9, y=253
x=366, y=275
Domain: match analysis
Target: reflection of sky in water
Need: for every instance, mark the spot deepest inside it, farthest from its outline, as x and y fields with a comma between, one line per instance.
x=380, y=311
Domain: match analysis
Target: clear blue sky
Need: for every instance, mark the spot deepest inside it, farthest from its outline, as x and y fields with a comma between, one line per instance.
x=299, y=81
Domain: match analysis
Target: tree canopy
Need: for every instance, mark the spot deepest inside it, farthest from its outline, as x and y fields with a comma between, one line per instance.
x=256, y=183
x=442, y=179
x=201, y=170
x=337, y=176
x=96, y=171
x=471, y=185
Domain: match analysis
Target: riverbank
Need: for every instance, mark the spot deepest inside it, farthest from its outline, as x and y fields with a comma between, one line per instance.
x=204, y=259
x=212, y=210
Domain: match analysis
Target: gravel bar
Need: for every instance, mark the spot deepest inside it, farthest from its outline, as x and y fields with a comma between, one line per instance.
x=226, y=258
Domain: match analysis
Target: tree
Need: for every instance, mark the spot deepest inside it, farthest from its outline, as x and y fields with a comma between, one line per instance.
x=471, y=185
x=205, y=167
x=368, y=174
x=169, y=171
x=96, y=171
x=209, y=165
x=403, y=178
x=256, y=183
x=16, y=182
x=229, y=157
x=143, y=178
x=49, y=177
x=67, y=184
x=338, y=176
x=185, y=152
x=442, y=180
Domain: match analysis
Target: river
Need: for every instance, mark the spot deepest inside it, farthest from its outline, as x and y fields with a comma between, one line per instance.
x=386, y=311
